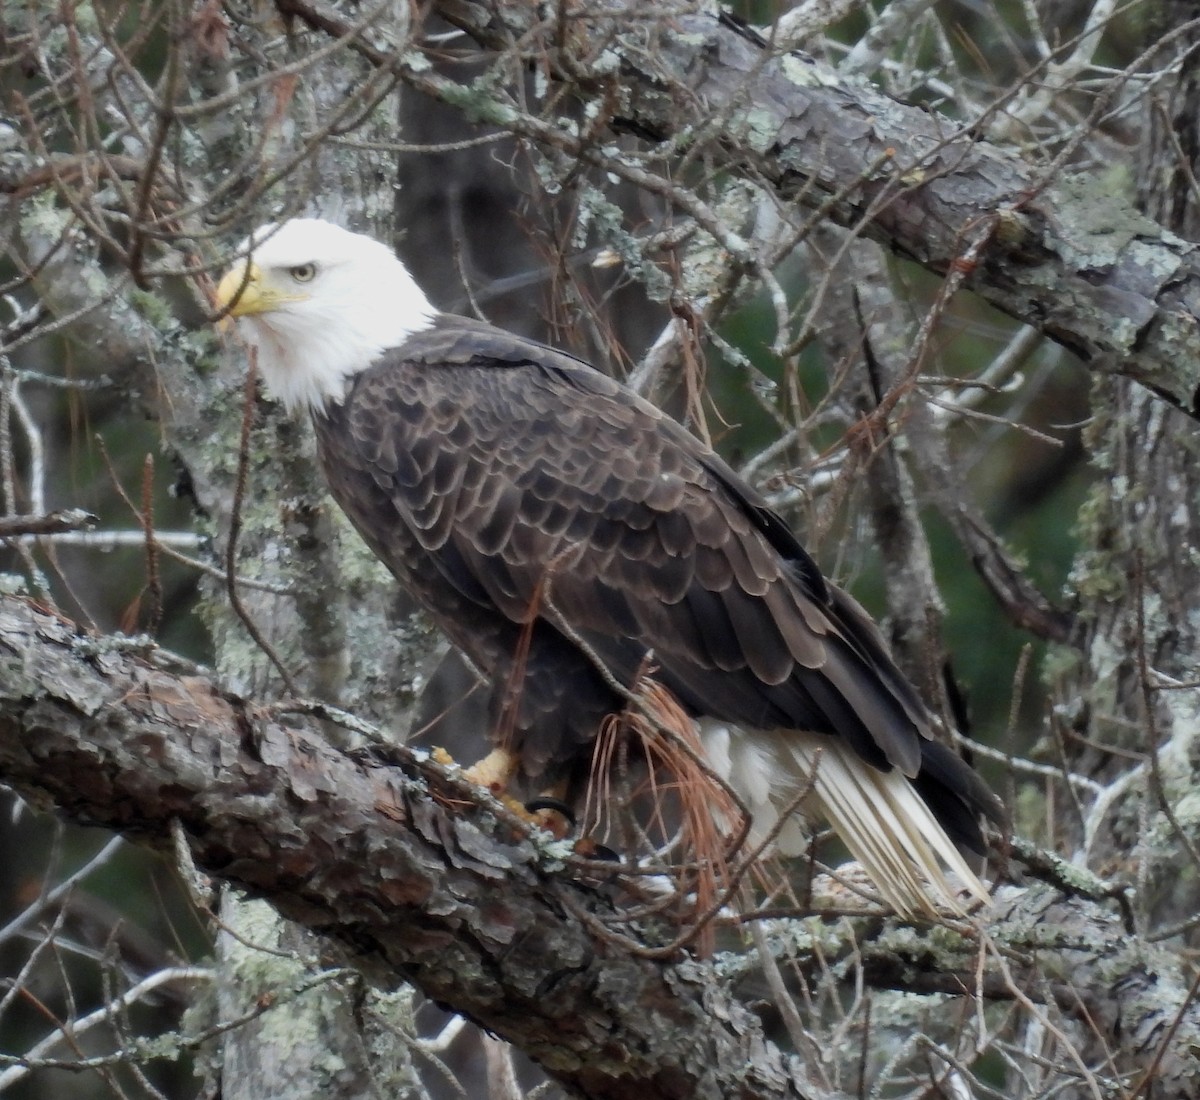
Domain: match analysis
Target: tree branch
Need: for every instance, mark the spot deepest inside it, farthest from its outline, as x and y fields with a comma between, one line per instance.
x=396, y=860
x=1064, y=254
x=375, y=855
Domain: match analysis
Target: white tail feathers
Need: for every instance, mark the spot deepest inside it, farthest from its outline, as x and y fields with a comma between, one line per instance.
x=880, y=817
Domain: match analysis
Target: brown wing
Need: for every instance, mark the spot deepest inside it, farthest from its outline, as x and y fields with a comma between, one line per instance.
x=539, y=502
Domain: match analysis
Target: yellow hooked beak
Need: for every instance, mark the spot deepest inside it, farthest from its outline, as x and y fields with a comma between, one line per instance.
x=244, y=292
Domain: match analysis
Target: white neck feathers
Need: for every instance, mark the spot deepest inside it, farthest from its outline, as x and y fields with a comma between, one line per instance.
x=334, y=301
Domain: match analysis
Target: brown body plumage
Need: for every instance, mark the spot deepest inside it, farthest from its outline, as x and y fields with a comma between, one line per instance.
x=509, y=486
x=570, y=537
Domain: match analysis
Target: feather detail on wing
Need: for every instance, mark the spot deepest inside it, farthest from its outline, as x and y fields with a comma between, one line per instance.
x=542, y=511
x=603, y=568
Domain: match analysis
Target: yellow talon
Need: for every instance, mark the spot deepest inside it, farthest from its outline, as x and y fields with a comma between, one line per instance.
x=494, y=771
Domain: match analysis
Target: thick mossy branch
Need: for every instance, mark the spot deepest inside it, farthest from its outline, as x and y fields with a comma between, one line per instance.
x=389, y=858
x=397, y=861
x=1067, y=255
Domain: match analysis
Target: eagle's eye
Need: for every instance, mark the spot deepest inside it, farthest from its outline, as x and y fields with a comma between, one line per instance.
x=303, y=273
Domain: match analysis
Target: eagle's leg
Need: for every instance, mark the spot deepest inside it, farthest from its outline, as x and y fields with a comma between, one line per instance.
x=551, y=811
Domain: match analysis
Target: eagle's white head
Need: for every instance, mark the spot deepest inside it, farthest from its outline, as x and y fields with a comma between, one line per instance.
x=320, y=304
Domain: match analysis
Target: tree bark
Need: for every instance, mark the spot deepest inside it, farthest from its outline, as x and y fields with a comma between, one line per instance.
x=380, y=851
x=1137, y=578
x=418, y=877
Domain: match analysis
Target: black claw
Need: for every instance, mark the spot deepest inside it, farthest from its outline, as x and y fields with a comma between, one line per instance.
x=603, y=853
x=542, y=802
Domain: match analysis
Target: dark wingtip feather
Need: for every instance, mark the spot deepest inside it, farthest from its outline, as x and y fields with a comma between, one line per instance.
x=958, y=797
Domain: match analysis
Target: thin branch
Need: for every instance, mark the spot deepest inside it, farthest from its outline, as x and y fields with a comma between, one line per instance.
x=48, y=523
x=235, y=528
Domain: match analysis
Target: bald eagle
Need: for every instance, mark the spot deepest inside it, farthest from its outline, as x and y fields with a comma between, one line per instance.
x=581, y=547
